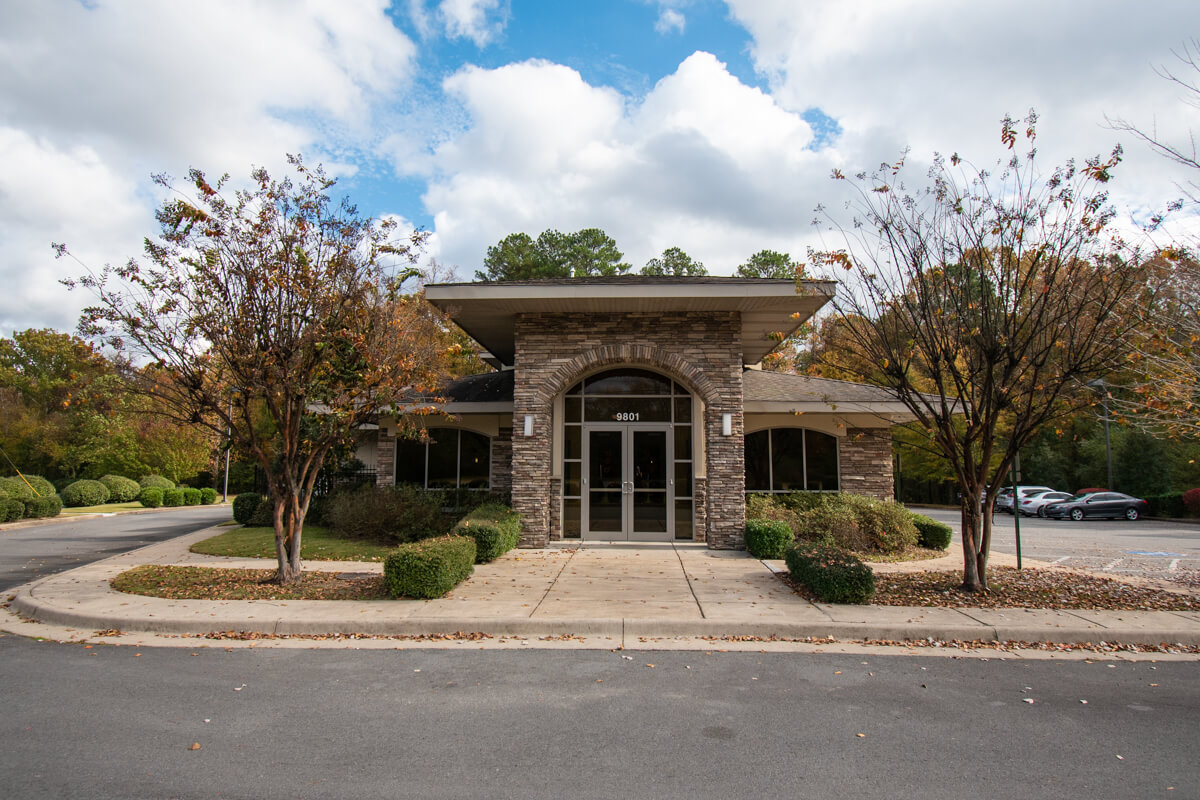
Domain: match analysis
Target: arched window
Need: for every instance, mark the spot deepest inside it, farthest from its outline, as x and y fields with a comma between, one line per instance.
x=451, y=459
x=791, y=460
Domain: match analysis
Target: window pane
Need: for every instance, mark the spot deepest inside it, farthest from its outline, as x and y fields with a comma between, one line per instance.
x=410, y=462
x=683, y=519
x=576, y=389
x=605, y=512
x=822, y=461
x=628, y=381
x=571, y=444
x=758, y=465
x=443, y=458
x=474, y=462
x=571, y=476
x=787, y=459
x=571, y=412
x=683, y=441
x=683, y=409
x=683, y=479
x=571, y=512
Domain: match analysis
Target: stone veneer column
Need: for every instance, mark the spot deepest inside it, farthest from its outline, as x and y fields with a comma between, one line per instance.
x=700, y=350
x=865, y=462
x=502, y=460
x=385, y=458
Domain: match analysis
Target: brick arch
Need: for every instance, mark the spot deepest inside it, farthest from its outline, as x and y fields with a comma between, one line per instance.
x=569, y=372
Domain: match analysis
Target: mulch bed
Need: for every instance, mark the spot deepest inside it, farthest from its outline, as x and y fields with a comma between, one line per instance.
x=209, y=583
x=1013, y=588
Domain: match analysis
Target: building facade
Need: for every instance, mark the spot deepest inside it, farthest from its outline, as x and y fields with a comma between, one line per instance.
x=632, y=408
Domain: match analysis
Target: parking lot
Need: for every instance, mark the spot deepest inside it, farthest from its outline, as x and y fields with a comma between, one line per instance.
x=1147, y=547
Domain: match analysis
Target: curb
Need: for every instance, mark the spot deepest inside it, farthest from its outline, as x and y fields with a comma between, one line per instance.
x=617, y=628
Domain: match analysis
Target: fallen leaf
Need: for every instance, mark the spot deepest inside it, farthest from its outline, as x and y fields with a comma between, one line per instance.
x=196, y=746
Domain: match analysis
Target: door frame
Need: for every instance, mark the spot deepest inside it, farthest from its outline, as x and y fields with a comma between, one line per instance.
x=627, y=532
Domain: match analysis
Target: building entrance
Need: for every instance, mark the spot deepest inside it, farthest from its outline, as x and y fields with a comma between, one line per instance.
x=627, y=458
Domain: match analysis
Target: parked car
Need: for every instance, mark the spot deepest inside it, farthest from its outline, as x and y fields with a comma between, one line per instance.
x=1004, y=497
x=1035, y=504
x=1111, y=505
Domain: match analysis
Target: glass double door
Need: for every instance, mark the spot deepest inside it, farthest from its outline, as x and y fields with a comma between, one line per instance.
x=627, y=487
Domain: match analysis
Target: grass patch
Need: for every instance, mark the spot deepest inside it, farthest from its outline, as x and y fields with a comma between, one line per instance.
x=104, y=509
x=316, y=544
x=209, y=583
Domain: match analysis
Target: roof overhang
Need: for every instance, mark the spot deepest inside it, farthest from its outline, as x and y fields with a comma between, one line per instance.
x=768, y=308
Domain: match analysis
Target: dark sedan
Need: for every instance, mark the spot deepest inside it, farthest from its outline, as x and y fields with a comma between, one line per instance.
x=1110, y=505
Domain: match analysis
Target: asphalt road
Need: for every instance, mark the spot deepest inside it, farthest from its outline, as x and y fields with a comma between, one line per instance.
x=119, y=722
x=29, y=553
x=1150, y=548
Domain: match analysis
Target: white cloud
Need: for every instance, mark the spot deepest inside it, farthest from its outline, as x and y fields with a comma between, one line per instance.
x=478, y=20
x=939, y=76
x=94, y=97
x=704, y=162
x=670, y=20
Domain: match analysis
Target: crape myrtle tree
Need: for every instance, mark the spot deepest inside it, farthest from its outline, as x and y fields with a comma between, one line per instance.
x=279, y=317
x=986, y=302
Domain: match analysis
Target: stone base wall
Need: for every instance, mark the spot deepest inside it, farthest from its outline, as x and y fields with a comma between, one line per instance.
x=865, y=462
x=701, y=351
x=502, y=460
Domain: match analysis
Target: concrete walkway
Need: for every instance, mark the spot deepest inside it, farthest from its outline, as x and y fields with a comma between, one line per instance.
x=623, y=593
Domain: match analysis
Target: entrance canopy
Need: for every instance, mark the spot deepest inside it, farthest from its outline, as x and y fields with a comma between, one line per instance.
x=768, y=308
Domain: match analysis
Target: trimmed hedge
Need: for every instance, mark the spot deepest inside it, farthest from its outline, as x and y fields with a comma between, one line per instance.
x=157, y=481
x=833, y=574
x=12, y=508
x=120, y=488
x=429, y=568
x=766, y=538
x=931, y=533
x=1166, y=505
x=383, y=513
x=172, y=497
x=85, y=493
x=16, y=487
x=495, y=529
x=191, y=497
x=208, y=496
x=48, y=505
x=244, y=506
x=150, y=497
x=264, y=515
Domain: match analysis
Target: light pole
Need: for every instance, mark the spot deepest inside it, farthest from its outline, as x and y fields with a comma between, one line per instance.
x=228, y=445
x=1103, y=386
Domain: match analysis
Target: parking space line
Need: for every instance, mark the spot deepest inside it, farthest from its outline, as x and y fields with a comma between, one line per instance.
x=1059, y=560
x=1173, y=566
x=1110, y=565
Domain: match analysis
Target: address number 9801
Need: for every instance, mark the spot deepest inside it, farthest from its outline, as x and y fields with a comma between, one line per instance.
x=627, y=416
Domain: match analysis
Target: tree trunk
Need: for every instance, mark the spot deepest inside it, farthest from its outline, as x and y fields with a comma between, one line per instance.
x=973, y=540
x=287, y=543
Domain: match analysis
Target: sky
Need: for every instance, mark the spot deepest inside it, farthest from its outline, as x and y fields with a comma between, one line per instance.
x=709, y=125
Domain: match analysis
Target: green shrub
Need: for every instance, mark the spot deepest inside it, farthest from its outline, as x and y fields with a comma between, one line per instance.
x=156, y=480
x=244, y=506
x=48, y=505
x=834, y=575
x=1165, y=505
x=1191, y=501
x=12, y=508
x=16, y=487
x=40, y=485
x=191, y=497
x=429, y=568
x=172, y=497
x=383, y=513
x=208, y=496
x=263, y=516
x=859, y=523
x=121, y=489
x=495, y=529
x=931, y=533
x=85, y=493
x=150, y=497
x=766, y=538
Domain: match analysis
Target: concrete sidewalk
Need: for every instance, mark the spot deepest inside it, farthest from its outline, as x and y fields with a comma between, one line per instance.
x=623, y=593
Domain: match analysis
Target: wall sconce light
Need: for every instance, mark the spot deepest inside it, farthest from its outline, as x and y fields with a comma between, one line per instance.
x=727, y=424
x=529, y=424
